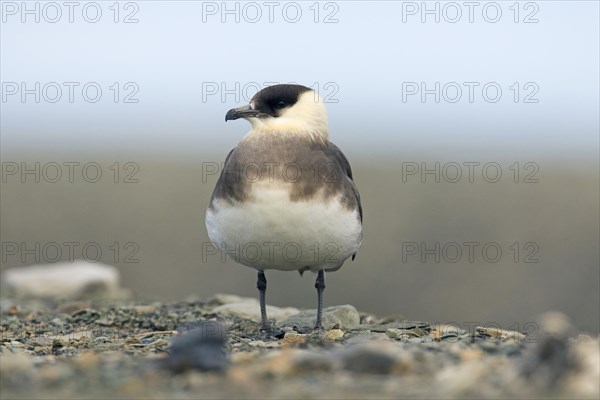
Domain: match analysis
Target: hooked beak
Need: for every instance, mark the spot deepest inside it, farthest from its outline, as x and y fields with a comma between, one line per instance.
x=241, y=112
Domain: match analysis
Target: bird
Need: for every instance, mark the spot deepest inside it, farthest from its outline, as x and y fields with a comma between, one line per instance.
x=285, y=198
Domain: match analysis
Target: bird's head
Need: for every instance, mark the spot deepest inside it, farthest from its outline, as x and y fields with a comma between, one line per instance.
x=285, y=109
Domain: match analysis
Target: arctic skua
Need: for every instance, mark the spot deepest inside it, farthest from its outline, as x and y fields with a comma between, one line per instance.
x=285, y=198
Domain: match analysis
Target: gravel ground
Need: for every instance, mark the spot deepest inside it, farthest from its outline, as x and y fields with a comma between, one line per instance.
x=212, y=349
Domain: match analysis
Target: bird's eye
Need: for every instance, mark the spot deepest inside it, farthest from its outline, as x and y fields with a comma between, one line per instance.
x=281, y=104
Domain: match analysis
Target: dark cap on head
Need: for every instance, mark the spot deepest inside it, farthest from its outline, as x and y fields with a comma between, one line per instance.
x=269, y=102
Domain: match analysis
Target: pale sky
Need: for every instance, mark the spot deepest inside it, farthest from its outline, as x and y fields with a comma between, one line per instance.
x=188, y=62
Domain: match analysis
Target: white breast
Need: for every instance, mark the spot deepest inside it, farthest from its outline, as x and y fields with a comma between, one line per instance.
x=269, y=231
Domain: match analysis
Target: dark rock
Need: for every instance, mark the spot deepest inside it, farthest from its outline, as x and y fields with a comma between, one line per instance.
x=199, y=349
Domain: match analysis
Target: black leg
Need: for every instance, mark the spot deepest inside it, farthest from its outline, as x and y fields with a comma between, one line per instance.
x=320, y=285
x=261, y=285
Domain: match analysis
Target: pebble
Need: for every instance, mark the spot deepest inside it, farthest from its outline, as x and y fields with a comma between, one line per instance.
x=334, y=334
x=503, y=334
x=403, y=334
x=13, y=310
x=292, y=337
x=340, y=317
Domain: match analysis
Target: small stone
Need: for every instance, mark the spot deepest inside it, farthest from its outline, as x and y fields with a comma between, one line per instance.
x=446, y=331
x=105, y=321
x=13, y=310
x=342, y=317
x=497, y=333
x=100, y=339
x=412, y=325
x=57, y=344
x=334, y=334
x=292, y=337
x=402, y=334
x=84, y=316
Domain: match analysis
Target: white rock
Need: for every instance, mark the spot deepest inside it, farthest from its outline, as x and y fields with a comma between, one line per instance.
x=345, y=317
x=61, y=279
x=250, y=309
x=225, y=298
